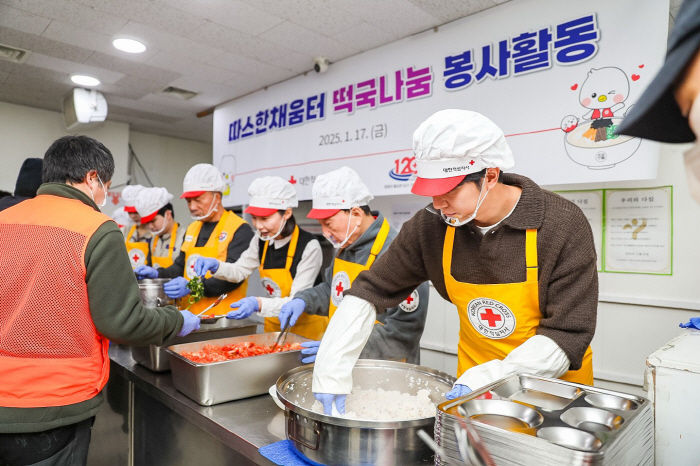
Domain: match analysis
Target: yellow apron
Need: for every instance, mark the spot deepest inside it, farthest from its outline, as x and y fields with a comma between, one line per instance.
x=497, y=318
x=278, y=284
x=165, y=261
x=138, y=251
x=344, y=272
x=216, y=246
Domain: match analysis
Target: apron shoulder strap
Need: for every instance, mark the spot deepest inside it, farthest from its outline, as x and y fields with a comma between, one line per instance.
x=264, y=255
x=292, y=248
x=447, y=248
x=173, y=239
x=531, y=255
x=130, y=234
x=378, y=243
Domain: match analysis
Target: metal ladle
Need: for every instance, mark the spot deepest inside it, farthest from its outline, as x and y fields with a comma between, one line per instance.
x=212, y=320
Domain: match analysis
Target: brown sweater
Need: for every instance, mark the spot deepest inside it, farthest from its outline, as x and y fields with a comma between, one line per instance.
x=568, y=278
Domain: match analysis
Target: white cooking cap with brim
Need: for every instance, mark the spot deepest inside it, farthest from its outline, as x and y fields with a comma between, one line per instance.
x=270, y=194
x=129, y=195
x=454, y=143
x=202, y=178
x=150, y=202
x=340, y=189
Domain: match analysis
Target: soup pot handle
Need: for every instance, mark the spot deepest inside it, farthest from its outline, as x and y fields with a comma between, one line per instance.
x=293, y=427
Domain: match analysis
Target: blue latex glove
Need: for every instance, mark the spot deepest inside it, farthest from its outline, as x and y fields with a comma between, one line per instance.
x=291, y=312
x=190, y=325
x=694, y=323
x=205, y=264
x=176, y=288
x=246, y=307
x=144, y=271
x=457, y=391
x=310, y=348
x=327, y=400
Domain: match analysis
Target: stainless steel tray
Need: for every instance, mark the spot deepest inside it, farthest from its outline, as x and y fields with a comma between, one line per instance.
x=553, y=419
x=219, y=382
x=155, y=358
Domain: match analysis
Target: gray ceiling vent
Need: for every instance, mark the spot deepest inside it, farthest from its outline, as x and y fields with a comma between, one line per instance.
x=182, y=94
x=13, y=54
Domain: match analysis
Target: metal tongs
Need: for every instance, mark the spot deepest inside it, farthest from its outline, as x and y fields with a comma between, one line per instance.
x=212, y=320
x=472, y=450
x=282, y=336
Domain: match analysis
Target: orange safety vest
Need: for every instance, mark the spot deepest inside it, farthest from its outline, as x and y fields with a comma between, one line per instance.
x=51, y=354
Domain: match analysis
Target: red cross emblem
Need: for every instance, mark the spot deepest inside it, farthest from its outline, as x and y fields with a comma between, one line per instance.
x=136, y=257
x=409, y=300
x=471, y=162
x=292, y=180
x=339, y=289
x=269, y=289
x=490, y=317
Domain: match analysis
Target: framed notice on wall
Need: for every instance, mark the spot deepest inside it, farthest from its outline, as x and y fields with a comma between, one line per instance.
x=591, y=203
x=639, y=230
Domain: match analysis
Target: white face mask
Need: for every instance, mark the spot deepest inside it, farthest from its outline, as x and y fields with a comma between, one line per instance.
x=692, y=156
x=269, y=238
x=338, y=245
x=165, y=224
x=455, y=222
x=211, y=209
x=104, y=200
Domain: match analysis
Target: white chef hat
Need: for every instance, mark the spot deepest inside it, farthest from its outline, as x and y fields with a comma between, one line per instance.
x=121, y=217
x=339, y=189
x=129, y=195
x=270, y=194
x=201, y=178
x=150, y=201
x=454, y=143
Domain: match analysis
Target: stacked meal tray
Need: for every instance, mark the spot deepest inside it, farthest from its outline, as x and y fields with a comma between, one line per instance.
x=528, y=420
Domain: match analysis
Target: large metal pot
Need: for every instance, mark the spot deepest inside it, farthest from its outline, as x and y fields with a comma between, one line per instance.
x=152, y=294
x=336, y=441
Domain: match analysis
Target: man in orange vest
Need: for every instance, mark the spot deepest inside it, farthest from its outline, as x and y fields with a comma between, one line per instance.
x=67, y=289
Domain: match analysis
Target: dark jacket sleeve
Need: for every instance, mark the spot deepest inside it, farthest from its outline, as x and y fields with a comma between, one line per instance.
x=397, y=272
x=569, y=308
x=238, y=245
x=397, y=338
x=113, y=294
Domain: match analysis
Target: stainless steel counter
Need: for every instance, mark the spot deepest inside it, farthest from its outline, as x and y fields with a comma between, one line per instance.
x=165, y=427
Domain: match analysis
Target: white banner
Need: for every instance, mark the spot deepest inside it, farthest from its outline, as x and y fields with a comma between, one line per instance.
x=556, y=79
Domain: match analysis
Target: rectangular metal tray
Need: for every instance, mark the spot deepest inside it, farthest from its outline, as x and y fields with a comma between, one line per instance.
x=219, y=382
x=156, y=359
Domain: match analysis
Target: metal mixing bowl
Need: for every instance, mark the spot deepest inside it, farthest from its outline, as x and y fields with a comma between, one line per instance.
x=152, y=294
x=336, y=441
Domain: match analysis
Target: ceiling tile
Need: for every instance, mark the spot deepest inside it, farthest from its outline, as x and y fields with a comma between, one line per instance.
x=365, y=36
x=77, y=36
x=38, y=85
x=22, y=21
x=250, y=67
x=449, y=10
x=222, y=37
x=3, y=76
x=43, y=45
x=138, y=70
x=230, y=13
x=400, y=17
x=316, y=16
x=57, y=64
x=145, y=115
x=23, y=69
x=150, y=106
x=180, y=46
x=307, y=41
x=157, y=15
x=211, y=90
x=192, y=68
x=71, y=12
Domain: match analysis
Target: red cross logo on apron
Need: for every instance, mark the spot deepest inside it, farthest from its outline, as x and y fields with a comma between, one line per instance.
x=339, y=289
x=490, y=317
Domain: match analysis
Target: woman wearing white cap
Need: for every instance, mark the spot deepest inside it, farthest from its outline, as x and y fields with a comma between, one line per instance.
x=215, y=233
x=340, y=204
x=518, y=262
x=156, y=212
x=288, y=258
x=137, y=236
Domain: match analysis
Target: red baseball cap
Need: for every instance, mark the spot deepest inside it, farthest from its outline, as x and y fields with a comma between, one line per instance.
x=260, y=211
x=148, y=218
x=130, y=208
x=320, y=214
x=191, y=194
x=435, y=186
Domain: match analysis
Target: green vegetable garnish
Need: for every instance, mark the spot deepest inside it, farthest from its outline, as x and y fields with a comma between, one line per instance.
x=196, y=288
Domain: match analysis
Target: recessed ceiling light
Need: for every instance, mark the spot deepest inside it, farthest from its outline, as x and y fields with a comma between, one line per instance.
x=129, y=45
x=84, y=80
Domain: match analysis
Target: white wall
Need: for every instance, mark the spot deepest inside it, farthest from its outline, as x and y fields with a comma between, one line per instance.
x=28, y=132
x=166, y=161
x=636, y=314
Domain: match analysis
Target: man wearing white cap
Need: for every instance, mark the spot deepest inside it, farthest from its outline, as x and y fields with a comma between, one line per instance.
x=122, y=218
x=340, y=204
x=137, y=236
x=216, y=233
x=156, y=212
x=288, y=258
x=517, y=261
